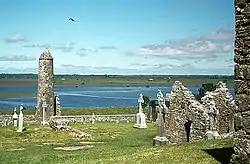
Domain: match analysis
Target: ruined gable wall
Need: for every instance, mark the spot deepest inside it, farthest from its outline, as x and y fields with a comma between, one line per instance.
x=225, y=103
x=183, y=106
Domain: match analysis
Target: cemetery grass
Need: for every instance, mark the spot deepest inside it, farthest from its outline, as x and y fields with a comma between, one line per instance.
x=113, y=143
x=83, y=111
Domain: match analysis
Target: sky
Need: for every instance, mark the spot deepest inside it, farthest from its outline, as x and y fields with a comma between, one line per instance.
x=128, y=37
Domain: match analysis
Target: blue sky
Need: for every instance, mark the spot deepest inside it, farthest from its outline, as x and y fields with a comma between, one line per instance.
x=118, y=36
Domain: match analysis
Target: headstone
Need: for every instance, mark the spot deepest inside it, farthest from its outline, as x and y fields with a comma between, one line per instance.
x=20, y=120
x=44, y=121
x=152, y=110
x=140, y=116
x=160, y=139
x=93, y=118
x=162, y=105
x=15, y=118
x=57, y=106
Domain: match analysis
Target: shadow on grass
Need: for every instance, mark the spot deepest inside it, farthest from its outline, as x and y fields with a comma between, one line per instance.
x=222, y=155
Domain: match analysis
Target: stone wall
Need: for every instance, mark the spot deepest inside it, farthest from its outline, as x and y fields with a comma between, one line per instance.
x=225, y=103
x=98, y=118
x=7, y=119
x=242, y=82
x=45, y=86
x=183, y=108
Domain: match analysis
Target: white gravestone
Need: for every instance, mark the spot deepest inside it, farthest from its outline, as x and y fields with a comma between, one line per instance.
x=15, y=117
x=44, y=106
x=93, y=118
x=162, y=105
x=20, y=120
x=140, y=116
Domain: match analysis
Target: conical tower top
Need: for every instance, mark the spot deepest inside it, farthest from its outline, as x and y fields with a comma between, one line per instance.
x=46, y=55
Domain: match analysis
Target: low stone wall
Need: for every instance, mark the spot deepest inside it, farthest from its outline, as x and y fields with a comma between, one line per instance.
x=7, y=119
x=98, y=118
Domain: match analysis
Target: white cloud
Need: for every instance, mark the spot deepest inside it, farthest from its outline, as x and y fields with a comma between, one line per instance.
x=17, y=58
x=15, y=38
x=108, y=47
x=205, y=46
x=68, y=47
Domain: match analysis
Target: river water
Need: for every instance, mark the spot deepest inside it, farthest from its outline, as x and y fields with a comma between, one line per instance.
x=89, y=96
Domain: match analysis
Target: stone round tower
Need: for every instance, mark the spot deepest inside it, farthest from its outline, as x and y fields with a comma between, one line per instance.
x=45, y=92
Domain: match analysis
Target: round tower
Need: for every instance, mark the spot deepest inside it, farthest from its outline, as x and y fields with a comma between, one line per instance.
x=45, y=92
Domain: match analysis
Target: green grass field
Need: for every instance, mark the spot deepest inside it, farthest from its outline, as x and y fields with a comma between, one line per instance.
x=113, y=143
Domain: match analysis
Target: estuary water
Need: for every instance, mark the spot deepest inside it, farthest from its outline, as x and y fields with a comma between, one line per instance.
x=89, y=96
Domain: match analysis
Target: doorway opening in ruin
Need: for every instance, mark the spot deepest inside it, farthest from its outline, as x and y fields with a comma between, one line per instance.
x=187, y=129
x=54, y=106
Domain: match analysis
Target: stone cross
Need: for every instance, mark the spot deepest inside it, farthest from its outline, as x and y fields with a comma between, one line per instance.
x=20, y=120
x=161, y=100
x=140, y=116
x=212, y=113
x=140, y=101
x=15, y=117
x=160, y=139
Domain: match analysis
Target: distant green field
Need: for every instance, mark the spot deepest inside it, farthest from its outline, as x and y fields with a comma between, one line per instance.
x=17, y=80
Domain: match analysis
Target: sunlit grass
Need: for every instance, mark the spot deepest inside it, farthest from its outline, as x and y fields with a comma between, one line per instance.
x=113, y=143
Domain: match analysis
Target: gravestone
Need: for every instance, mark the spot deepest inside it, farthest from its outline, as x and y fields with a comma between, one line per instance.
x=160, y=139
x=152, y=110
x=20, y=120
x=140, y=116
x=162, y=105
x=93, y=118
x=57, y=106
x=15, y=118
x=44, y=118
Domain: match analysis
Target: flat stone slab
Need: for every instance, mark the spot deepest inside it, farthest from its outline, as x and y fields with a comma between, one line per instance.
x=53, y=143
x=70, y=148
x=89, y=142
x=16, y=149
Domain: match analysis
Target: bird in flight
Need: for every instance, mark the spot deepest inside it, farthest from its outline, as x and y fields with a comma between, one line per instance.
x=71, y=19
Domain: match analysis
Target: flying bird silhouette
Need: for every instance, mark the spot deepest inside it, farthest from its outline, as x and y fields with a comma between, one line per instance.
x=72, y=19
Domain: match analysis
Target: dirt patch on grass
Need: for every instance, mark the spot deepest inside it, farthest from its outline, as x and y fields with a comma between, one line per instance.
x=70, y=148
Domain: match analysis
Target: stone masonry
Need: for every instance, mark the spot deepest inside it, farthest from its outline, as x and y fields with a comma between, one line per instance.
x=45, y=86
x=225, y=103
x=242, y=82
x=186, y=120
